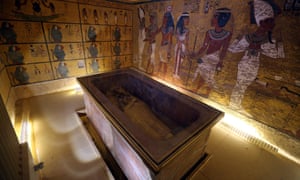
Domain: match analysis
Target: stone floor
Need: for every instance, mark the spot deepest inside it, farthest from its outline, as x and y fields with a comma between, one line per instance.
x=66, y=149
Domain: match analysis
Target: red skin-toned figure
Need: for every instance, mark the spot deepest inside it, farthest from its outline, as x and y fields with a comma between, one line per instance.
x=214, y=48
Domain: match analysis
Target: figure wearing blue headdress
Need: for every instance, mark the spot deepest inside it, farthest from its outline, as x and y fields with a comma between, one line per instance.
x=214, y=49
x=182, y=37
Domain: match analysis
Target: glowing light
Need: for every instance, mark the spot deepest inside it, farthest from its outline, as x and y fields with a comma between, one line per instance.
x=288, y=156
x=249, y=132
x=76, y=90
x=82, y=146
x=26, y=135
x=243, y=127
x=240, y=124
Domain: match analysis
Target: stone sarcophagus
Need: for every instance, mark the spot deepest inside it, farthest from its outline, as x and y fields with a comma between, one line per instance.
x=151, y=130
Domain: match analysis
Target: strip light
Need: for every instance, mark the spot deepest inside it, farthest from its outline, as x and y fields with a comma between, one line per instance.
x=251, y=134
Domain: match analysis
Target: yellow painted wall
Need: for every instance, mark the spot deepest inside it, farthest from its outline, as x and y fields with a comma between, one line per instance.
x=276, y=105
x=31, y=56
x=4, y=85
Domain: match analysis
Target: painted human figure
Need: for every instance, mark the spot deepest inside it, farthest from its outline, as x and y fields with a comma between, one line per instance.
x=254, y=44
x=56, y=34
x=125, y=18
x=142, y=36
x=117, y=33
x=214, y=49
x=105, y=17
x=117, y=49
x=62, y=69
x=116, y=17
x=21, y=75
x=151, y=32
x=117, y=62
x=96, y=18
x=8, y=33
x=206, y=6
x=59, y=52
x=84, y=15
x=15, y=55
x=167, y=31
x=93, y=50
x=182, y=39
x=95, y=65
x=92, y=34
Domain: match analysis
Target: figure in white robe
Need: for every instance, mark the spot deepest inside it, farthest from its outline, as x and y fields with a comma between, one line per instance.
x=254, y=45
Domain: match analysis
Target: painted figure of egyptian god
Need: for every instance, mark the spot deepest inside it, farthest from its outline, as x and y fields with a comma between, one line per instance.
x=253, y=45
x=214, y=49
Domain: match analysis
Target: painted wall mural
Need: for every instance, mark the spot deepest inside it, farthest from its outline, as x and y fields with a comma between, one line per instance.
x=142, y=36
x=45, y=40
x=241, y=55
x=167, y=31
x=220, y=50
x=292, y=7
x=255, y=44
x=181, y=46
x=151, y=32
x=214, y=47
